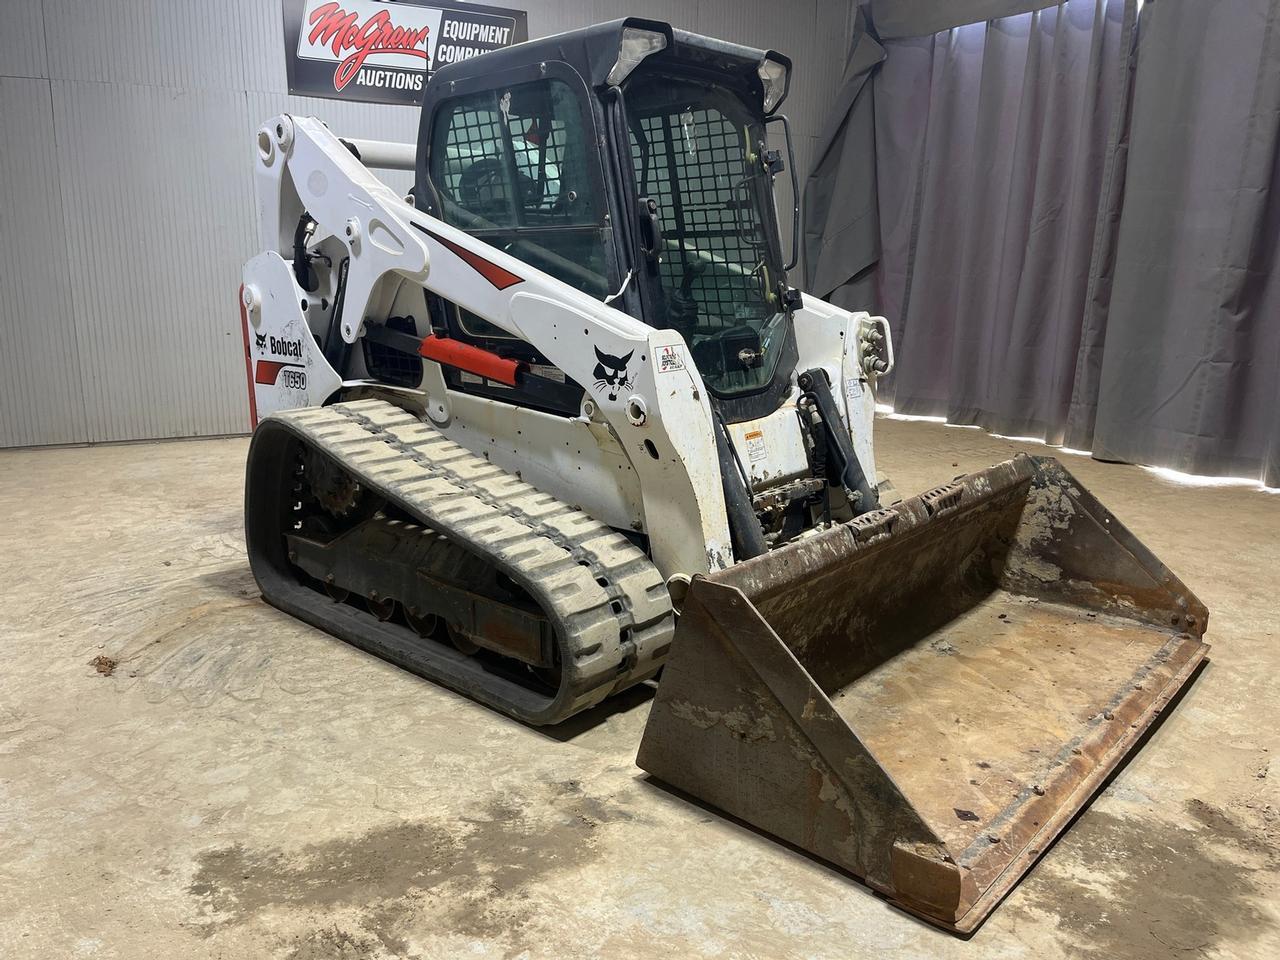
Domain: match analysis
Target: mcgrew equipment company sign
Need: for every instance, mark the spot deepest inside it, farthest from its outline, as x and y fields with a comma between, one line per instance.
x=383, y=52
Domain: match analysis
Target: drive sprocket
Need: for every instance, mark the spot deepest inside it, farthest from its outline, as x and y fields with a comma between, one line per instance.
x=336, y=490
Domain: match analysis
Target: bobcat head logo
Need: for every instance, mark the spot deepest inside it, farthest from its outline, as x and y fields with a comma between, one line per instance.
x=261, y=340
x=611, y=373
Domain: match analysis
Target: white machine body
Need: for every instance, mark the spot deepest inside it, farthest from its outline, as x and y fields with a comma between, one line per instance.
x=639, y=455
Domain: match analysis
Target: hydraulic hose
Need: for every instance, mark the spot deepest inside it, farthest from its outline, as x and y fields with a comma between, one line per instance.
x=840, y=448
x=302, y=234
x=745, y=534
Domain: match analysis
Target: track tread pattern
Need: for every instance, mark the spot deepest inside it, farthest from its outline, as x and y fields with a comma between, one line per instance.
x=611, y=606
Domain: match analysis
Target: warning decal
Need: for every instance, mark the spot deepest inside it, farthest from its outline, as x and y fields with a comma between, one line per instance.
x=755, y=446
x=670, y=358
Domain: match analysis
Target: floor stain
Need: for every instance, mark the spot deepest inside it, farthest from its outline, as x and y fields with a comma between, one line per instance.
x=1147, y=890
x=1259, y=838
x=471, y=876
x=333, y=943
x=208, y=637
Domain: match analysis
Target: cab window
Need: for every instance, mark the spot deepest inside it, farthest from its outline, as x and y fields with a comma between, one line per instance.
x=516, y=167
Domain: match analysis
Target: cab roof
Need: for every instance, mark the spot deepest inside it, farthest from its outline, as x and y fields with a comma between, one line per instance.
x=592, y=52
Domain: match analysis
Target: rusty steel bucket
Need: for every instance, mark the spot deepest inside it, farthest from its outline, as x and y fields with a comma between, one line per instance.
x=926, y=695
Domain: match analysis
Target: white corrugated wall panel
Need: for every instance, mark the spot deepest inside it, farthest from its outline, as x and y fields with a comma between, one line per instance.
x=22, y=51
x=547, y=17
x=681, y=14
x=263, y=46
x=168, y=43
x=40, y=395
x=157, y=200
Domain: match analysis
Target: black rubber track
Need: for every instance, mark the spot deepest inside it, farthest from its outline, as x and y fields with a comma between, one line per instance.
x=606, y=601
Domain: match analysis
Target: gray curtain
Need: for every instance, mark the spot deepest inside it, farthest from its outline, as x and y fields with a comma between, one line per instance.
x=841, y=237
x=1188, y=370
x=841, y=222
x=1000, y=164
x=920, y=18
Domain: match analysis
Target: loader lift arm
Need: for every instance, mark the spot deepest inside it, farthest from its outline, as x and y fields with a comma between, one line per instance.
x=303, y=166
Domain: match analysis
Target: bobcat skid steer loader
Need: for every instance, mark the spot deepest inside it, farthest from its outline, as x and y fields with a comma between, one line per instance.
x=509, y=426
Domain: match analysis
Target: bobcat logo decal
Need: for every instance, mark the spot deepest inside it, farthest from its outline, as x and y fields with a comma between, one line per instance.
x=611, y=373
x=261, y=340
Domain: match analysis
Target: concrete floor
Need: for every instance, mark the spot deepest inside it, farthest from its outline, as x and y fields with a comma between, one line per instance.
x=245, y=786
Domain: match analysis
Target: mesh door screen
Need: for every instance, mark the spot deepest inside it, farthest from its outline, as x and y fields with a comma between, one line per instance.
x=694, y=167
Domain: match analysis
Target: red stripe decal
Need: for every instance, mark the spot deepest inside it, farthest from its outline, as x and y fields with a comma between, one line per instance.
x=495, y=274
x=269, y=371
x=248, y=362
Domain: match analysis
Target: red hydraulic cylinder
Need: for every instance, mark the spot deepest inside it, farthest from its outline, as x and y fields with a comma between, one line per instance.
x=473, y=359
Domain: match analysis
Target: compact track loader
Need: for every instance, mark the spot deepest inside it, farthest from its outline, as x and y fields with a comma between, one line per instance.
x=557, y=419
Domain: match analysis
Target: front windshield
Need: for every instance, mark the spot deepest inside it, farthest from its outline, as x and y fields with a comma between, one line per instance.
x=695, y=149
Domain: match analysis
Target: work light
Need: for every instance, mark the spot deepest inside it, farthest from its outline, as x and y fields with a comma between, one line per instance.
x=773, y=77
x=635, y=46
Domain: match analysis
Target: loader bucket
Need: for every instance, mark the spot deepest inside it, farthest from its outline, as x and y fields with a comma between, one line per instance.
x=926, y=695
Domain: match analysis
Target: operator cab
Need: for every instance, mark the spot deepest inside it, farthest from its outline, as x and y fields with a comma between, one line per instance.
x=629, y=160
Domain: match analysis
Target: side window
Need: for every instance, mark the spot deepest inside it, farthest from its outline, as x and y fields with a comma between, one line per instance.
x=516, y=167
x=514, y=157
x=469, y=164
